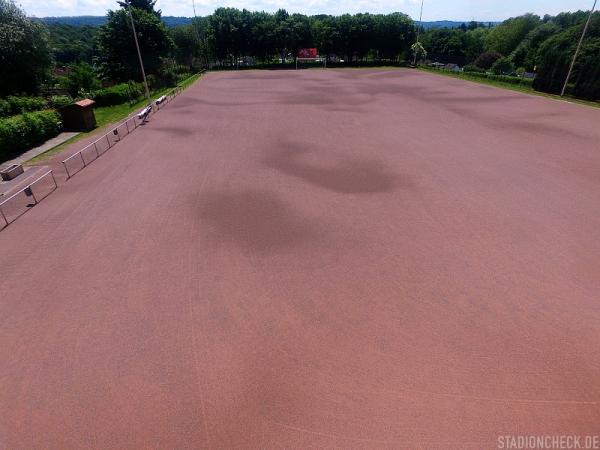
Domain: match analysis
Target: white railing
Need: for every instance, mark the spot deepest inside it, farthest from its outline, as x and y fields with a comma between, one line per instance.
x=91, y=152
x=19, y=203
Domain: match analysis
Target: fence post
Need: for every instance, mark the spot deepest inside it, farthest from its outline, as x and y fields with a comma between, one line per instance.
x=127, y=125
x=96, y=148
x=32, y=194
x=83, y=159
x=66, y=170
x=107, y=139
x=54, y=179
x=3, y=216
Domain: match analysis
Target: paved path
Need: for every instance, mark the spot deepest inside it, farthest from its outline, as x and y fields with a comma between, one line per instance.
x=48, y=145
x=354, y=259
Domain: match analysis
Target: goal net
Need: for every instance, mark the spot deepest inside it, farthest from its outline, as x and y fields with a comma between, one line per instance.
x=309, y=57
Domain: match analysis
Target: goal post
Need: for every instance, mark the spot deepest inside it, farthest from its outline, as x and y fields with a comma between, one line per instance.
x=310, y=55
x=312, y=62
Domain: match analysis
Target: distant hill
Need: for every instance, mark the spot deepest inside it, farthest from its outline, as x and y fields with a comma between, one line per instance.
x=95, y=21
x=172, y=21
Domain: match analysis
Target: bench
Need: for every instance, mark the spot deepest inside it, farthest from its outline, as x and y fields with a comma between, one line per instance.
x=144, y=113
x=11, y=172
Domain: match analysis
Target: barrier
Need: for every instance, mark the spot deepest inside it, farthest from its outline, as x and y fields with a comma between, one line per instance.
x=91, y=152
x=19, y=203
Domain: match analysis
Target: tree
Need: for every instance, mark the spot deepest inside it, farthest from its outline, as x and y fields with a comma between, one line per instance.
x=506, y=37
x=525, y=55
x=419, y=51
x=487, y=59
x=446, y=45
x=503, y=66
x=72, y=43
x=475, y=42
x=117, y=58
x=393, y=35
x=25, y=57
x=81, y=78
x=555, y=53
x=224, y=27
x=146, y=5
x=186, y=44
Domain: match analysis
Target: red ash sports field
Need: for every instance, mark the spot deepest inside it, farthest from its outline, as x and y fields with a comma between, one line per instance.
x=348, y=259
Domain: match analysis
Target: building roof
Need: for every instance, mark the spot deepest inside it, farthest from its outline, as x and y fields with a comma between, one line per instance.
x=85, y=103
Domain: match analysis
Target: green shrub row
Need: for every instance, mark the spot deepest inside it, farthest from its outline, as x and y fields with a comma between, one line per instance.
x=503, y=78
x=120, y=93
x=470, y=68
x=13, y=105
x=490, y=76
x=58, y=101
x=19, y=133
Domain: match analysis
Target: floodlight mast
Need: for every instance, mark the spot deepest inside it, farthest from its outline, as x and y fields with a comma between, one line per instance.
x=587, y=23
x=418, y=32
x=137, y=46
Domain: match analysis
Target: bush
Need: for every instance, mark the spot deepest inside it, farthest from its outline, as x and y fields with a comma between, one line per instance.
x=473, y=68
x=58, y=101
x=17, y=105
x=503, y=66
x=118, y=94
x=80, y=77
x=502, y=78
x=21, y=132
x=486, y=60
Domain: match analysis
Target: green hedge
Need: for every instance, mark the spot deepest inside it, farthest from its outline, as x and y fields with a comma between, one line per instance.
x=120, y=93
x=489, y=76
x=502, y=78
x=13, y=105
x=19, y=133
x=58, y=101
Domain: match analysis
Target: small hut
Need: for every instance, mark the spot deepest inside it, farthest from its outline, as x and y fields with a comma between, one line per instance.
x=79, y=115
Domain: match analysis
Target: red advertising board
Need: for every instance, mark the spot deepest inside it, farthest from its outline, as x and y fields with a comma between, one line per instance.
x=307, y=53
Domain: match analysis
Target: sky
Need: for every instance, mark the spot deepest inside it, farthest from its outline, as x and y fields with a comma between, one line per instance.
x=481, y=10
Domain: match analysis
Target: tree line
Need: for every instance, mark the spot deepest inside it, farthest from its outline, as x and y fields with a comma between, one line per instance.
x=527, y=43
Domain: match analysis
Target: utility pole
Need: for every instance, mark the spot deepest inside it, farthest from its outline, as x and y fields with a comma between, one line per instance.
x=137, y=46
x=587, y=23
x=418, y=32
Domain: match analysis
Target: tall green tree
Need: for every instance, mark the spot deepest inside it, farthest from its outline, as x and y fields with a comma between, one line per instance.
x=117, y=56
x=506, y=37
x=81, y=78
x=556, y=52
x=146, y=5
x=25, y=56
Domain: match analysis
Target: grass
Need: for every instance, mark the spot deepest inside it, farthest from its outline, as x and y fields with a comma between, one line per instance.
x=108, y=115
x=513, y=87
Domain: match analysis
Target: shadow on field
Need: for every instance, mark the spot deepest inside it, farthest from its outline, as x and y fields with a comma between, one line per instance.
x=342, y=175
x=256, y=220
x=181, y=131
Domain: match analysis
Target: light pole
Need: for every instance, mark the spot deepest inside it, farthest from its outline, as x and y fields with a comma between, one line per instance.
x=137, y=46
x=587, y=23
x=418, y=31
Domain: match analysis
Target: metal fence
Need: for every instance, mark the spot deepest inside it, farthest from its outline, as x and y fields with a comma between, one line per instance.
x=27, y=197
x=80, y=160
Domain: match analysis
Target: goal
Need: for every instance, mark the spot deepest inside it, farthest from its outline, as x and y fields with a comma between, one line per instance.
x=304, y=63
